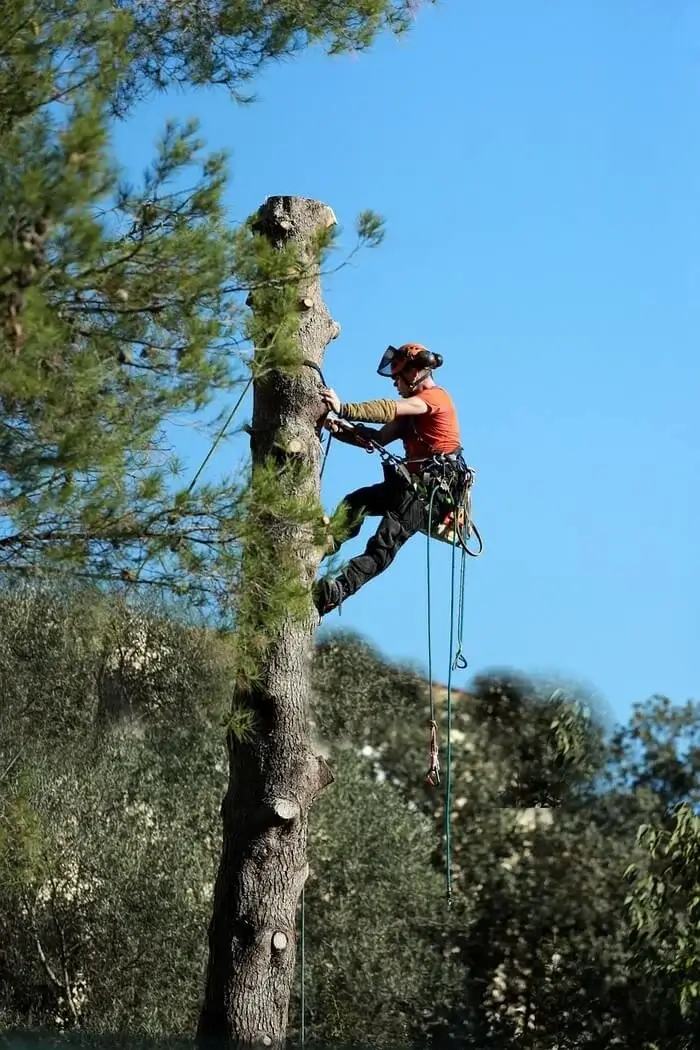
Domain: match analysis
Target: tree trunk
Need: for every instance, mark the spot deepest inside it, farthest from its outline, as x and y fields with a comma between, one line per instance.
x=274, y=776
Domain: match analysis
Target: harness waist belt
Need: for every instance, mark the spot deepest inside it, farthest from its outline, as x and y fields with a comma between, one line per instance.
x=416, y=464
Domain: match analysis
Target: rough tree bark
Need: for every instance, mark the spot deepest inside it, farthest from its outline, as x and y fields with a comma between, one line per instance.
x=274, y=777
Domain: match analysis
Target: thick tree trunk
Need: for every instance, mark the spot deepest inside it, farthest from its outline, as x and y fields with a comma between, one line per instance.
x=274, y=776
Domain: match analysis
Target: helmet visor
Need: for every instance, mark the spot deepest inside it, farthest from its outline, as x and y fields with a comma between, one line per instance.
x=392, y=362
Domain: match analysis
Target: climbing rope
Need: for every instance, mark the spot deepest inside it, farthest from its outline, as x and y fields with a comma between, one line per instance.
x=212, y=449
x=325, y=457
x=219, y=436
x=448, y=786
x=433, y=775
x=460, y=660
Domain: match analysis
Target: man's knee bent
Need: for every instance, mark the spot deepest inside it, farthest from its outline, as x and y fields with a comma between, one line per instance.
x=353, y=515
x=358, y=506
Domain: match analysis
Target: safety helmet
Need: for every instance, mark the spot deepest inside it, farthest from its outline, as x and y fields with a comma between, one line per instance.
x=409, y=355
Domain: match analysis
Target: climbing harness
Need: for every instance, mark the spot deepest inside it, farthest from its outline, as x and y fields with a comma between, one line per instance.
x=450, y=479
x=447, y=476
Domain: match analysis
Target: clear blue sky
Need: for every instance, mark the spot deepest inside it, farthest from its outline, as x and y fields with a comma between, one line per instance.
x=538, y=167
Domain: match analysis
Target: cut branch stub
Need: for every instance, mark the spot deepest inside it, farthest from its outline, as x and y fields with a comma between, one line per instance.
x=286, y=809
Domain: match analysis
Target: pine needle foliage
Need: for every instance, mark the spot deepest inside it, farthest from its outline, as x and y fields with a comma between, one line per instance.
x=228, y=42
x=114, y=308
x=123, y=312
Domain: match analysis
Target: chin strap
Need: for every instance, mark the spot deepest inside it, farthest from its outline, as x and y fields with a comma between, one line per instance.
x=418, y=380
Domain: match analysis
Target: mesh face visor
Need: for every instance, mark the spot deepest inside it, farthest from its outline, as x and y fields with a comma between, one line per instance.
x=392, y=362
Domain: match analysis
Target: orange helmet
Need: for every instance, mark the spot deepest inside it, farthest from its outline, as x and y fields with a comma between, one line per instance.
x=409, y=355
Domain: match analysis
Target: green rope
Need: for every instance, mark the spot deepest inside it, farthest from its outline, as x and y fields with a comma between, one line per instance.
x=448, y=785
x=460, y=660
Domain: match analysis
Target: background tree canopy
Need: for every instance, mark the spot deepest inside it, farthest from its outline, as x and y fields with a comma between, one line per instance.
x=112, y=760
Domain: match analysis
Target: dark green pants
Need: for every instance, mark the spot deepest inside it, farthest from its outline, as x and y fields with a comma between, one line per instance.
x=402, y=513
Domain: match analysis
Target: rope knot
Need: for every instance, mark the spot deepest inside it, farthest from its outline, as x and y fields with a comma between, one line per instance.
x=432, y=777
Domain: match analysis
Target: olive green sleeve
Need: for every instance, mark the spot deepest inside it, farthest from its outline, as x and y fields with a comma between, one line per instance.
x=382, y=411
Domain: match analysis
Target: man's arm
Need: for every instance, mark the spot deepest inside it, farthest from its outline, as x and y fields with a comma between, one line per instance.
x=352, y=433
x=383, y=410
x=389, y=432
x=412, y=406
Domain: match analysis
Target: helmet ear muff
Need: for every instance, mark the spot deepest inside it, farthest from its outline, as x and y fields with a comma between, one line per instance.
x=424, y=359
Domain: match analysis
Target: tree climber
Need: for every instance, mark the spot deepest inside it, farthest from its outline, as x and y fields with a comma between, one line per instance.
x=425, y=419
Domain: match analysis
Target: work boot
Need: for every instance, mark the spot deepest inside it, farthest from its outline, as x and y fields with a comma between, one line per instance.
x=328, y=595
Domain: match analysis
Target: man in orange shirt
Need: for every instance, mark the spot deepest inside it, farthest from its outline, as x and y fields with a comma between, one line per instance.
x=425, y=419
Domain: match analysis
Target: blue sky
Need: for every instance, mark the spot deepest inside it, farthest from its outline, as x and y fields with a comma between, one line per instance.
x=538, y=168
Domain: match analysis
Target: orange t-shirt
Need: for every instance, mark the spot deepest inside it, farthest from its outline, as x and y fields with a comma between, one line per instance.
x=437, y=430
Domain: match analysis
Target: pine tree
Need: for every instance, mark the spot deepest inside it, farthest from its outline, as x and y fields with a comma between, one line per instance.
x=229, y=41
x=116, y=313
x=274, y=774
x=122, y=307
